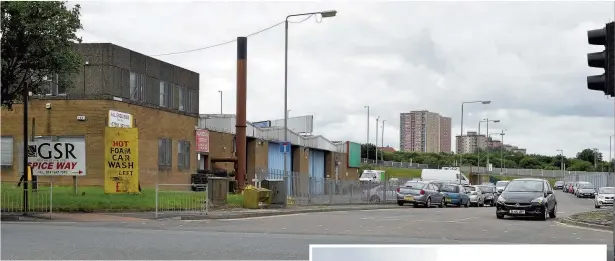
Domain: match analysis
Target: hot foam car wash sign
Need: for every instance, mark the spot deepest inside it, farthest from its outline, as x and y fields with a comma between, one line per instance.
x=57, y=158
x=121, y=160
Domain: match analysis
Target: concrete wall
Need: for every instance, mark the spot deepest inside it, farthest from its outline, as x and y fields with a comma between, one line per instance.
x=61, y=120
x=257, y=158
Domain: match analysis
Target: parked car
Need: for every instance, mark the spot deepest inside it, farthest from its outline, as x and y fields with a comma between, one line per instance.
x=604, y=197
x=500, y=185
x=585, y=190
x=527, y=197
x=456, y=195
x=477, y=198
x=420, y=193
x=377, y=194
x=559, y=184
x=489, y=193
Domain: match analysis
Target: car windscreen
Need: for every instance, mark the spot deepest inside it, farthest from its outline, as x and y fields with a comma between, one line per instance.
x=501, y=183
x=525, y=186
x=559, y=183
x=487, y=189
x=470, y=188
x=607, y=190
x=450, y=188
x=586, y=186
x=414, y=185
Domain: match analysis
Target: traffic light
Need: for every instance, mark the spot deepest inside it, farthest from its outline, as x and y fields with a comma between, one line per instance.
x=604, y=59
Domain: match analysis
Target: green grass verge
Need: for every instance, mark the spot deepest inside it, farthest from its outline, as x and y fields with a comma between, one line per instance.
x=93, y=199
x=403, y=173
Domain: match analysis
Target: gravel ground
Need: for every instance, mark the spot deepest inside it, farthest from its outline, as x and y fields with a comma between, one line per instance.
x=599, y=217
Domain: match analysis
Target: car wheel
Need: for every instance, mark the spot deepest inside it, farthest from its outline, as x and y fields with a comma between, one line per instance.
x=482, y=204
x=442, y=204
x=400, y=203
x=467, y=204
x=499, y=216
x=374, y=199
x=428, y=203
x=596, y=206
x=545, y=214
x=553, y=213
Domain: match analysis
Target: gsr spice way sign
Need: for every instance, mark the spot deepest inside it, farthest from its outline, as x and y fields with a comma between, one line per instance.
x=57, y=158
x=121, y=160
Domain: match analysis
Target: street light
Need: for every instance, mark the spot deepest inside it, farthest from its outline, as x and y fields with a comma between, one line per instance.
x=502, y=150
x=323, y=14
x=367, y=142
x=220, y=101
x=458, y=149
x=561, y=161
x=377, y=120
x=382, y=142
x=477, y=138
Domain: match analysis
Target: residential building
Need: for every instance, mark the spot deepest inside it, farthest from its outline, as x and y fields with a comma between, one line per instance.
x=471, y=142
x=424, y=131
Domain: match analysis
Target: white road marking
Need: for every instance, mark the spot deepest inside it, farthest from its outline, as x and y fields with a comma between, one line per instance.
x=251, y=218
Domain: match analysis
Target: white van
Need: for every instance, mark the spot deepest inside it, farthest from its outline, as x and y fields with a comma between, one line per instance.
x=451, y=175
x=372, y=176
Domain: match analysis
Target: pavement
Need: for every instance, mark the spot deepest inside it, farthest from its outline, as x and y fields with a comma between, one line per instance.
x=286, y=237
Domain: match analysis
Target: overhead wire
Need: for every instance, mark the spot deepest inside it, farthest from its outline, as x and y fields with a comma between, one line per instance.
x=234, y=40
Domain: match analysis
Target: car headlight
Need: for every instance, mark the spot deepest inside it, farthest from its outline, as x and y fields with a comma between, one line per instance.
x=501, y=200
x=538, y=200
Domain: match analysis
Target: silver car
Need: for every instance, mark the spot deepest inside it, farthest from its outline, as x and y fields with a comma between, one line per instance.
x=477, y=198
x=604, y=197
x=420, y=193
x=585, y=190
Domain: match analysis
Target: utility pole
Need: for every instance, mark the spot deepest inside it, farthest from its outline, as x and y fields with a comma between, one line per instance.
x=367, y=142
x=377, y=119
x=382, y=142
x=502, y=151
x=25, y=148
x=220, y=102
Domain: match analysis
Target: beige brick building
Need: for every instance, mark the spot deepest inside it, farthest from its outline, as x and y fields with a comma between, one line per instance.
x=424, y=131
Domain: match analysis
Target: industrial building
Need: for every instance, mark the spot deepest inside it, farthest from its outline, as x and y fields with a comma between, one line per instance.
x=424, y=131
x=161, y=98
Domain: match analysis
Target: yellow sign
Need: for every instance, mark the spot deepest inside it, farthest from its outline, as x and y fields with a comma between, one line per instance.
x=121, y=160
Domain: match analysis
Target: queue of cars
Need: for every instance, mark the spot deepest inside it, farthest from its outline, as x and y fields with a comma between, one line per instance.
x=602, y=196
x=420, y=193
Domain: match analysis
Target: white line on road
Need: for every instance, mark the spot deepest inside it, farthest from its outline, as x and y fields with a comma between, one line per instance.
x=586, y=228
x=248, y=218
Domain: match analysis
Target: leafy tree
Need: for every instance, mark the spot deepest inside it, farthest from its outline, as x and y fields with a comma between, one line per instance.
x=37, y=42
x=589, y=155
x=371, y=148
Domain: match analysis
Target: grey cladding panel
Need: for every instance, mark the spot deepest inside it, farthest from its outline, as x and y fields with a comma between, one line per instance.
x=152, y=67
x=166, y=72
x=153, y=90
x=137, y=62
x=121, y=56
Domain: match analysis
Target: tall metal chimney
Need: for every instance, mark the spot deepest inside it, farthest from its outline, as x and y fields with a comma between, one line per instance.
x=240, y=123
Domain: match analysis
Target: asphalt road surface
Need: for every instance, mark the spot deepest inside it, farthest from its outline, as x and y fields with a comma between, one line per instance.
x=287, y=237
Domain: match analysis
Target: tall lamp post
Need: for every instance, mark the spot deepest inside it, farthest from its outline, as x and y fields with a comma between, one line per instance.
x=502, y=166
x=220, y=101
x=382, y=141
x=611, y=167
x=367, y=141
x=323, y=14
x=458, y=149
x=377, y=120
x=477, y=138
x=561, y=161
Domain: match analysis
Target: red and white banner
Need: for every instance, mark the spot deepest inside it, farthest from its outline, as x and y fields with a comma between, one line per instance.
x=57, y=158
x=202, y=141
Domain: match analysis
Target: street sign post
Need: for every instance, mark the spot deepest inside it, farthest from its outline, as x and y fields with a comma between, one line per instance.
x=57, y=158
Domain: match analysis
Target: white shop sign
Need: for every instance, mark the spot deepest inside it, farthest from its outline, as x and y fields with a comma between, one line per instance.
x=57, y=158
x=120, y=119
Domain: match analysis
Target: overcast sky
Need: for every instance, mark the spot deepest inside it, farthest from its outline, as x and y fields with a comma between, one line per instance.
x=528, y=58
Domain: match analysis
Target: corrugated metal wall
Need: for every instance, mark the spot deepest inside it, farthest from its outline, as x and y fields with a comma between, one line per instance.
x=317, y=171
x=276, y=163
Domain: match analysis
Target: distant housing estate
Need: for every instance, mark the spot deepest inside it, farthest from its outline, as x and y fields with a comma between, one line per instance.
x=424, y=131
x=472, y=141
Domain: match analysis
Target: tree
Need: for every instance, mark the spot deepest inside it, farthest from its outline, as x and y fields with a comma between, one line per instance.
x=589, y=155
x=37, y=42
x=368, y=147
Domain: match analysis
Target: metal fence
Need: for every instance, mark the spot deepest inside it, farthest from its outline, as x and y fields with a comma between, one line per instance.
x=39, y=199
x=181, y=199
x=598, y=180
x=303, y=189
x=493, y=171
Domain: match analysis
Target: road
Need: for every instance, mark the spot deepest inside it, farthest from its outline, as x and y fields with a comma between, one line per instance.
x=287, y=237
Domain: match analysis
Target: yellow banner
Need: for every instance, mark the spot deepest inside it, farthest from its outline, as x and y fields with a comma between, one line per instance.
x=121, y=160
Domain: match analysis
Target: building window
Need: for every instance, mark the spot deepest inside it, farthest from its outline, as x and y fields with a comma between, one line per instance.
x=6, y=151
x=182, y=98
x=175, y=93
x=183, y=154
x=137, y=87
x=164, y=94
x=164, y=153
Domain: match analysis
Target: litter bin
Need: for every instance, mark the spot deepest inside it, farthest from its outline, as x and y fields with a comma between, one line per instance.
x=253, y=196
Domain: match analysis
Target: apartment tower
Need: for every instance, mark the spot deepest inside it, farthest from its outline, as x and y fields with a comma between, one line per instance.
x=424, y=131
